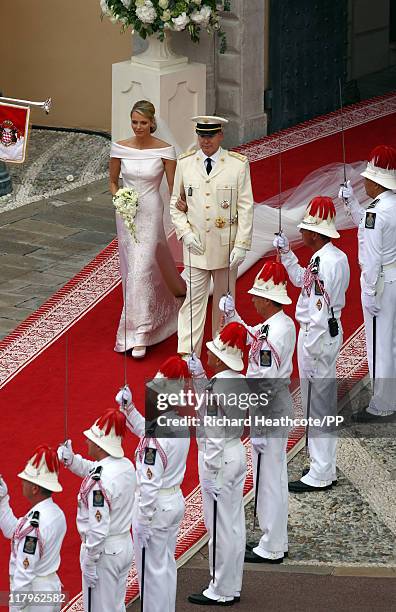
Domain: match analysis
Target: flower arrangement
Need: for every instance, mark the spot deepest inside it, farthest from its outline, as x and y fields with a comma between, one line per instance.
x=149, y=17
x=126, y=204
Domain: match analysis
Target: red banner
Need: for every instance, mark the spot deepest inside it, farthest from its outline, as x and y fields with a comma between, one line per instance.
x=14, y=129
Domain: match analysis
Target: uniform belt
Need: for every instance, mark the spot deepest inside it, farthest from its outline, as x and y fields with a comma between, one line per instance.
x=388, y=266
x=305, y=326
x=169, y=490
x=111, y=537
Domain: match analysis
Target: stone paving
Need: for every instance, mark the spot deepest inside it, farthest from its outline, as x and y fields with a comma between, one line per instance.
x=58, y=218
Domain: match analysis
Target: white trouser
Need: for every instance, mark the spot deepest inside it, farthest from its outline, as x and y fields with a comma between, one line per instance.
x=160, y=573
x=200, y=286
x=112, y=569
x=384, y=399
x=231, y=530
x=42, y=584
x=322, y=443
x=273, y=495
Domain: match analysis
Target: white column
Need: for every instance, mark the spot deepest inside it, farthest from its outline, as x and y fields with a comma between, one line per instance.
x=175, y=86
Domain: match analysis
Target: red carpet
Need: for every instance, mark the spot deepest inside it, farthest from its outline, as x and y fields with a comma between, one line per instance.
x=32, y=359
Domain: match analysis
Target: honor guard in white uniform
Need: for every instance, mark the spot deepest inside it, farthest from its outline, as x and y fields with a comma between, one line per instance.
x=212, y=211
x=377, y=259
x=272, y=343
x=104, y=512
x=323, y=285
x=36, y=538
x=161, y=458
x=222, y=466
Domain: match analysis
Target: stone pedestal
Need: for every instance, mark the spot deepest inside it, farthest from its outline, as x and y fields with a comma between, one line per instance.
x=175, y=86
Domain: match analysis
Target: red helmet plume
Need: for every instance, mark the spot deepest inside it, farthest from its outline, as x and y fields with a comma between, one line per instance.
x=234, y=334
x=274, y=270
x=50, y=458
x=323, y=207
x=112, y=418
x=384, y=156
x=174, y=367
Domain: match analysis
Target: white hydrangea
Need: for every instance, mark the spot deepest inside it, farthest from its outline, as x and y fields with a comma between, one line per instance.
x=180, y=23
x=147, y=12
x=163, y=4
x=198, y=2
x=202, y=17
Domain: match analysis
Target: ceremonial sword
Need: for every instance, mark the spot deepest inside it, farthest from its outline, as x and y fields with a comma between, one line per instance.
x=46, y=105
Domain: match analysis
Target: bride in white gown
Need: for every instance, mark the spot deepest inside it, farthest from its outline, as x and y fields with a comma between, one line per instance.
x=151, y=283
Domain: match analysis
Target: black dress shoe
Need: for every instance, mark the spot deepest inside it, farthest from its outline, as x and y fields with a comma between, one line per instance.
x=297, y=486
x=306, y=470
x=251, y=557
x=366, y=417
x=201, y=600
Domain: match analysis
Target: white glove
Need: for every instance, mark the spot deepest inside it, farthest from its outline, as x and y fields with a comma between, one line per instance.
x=259, y=444
x=346, y=192
x=281, y=242
x=193, y=243
x=195, y=366
x=227, y=305
x=3, y=488
x=210, y=487
x=65, y=453
x=369, y=302
x=124, y=398
x=237, y=256
x=88, y=569
x=142, y=533
x=310, y=367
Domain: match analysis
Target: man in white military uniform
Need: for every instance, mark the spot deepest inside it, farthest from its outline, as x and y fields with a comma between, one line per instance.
x=215, y=224
x=323, y=285
x=377, y=259
x=272, y=343
x=161, y=459
x=222, y=467
x=36, y=538
x=104, y=512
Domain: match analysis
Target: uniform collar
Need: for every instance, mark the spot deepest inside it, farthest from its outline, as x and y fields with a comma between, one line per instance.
x=225, y=374
x=326, y=247
x=40, y=506
x=273, y=318
x=384, y=195
x=214, y=157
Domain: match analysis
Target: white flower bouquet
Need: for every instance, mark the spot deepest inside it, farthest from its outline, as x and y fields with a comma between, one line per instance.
x=149, y=17
x=126, y=204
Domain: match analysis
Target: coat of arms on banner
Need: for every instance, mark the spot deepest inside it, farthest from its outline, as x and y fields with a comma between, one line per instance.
x=14, y=127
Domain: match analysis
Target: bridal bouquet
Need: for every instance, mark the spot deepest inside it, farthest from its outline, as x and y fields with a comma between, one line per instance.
x=126, y=203
x=149, y=17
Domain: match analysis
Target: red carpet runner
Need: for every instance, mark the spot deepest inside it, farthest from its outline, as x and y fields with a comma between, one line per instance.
x=32, y=358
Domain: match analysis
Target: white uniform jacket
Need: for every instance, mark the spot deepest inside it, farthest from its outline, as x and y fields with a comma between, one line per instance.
x=212, y=200
x=314, y=304
x=35, y=551
x=104, y=506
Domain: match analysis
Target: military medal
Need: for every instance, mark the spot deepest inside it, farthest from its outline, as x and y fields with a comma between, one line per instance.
x=26, y=563
x=98, y=516
x=220, y=222
x=225, y=204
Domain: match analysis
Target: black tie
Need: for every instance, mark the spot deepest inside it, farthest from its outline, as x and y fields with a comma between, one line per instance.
x=208, y=165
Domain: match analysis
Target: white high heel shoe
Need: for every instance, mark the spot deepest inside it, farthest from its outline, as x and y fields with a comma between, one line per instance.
x=138, y=352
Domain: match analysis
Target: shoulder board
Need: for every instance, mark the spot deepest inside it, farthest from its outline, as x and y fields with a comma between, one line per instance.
x=187, y=154
x=239, y=156
x=34, y=521
x=97, y=473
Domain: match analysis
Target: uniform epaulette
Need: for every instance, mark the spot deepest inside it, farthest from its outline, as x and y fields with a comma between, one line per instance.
x=187, y=154
x=34, y=521
x=239, y=156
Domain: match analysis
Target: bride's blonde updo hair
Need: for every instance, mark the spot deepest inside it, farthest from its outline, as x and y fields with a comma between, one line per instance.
x=145, y=108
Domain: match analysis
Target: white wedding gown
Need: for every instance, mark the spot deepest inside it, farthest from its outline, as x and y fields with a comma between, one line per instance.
x=150, y=310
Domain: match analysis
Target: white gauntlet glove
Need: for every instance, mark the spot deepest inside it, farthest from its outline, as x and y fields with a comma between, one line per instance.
x=237, y=256
x=210, y=487
x=281, y=242
x=193, y=243
x=65, y=453
x=227, y=305
x=195, y=367
x=346, y=192
x=124, y=400
x=369, y=302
